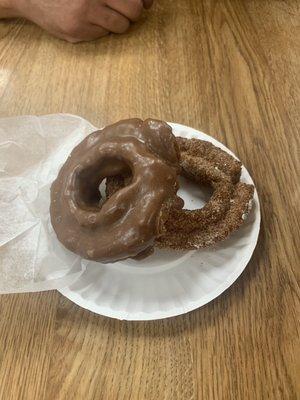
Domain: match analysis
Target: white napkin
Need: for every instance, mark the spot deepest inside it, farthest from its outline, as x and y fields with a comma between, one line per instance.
x=32, y=149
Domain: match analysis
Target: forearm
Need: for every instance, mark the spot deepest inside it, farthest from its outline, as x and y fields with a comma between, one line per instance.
x=8, y=9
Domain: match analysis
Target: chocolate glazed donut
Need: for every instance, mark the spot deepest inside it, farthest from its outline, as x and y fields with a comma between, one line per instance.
x=126, y=224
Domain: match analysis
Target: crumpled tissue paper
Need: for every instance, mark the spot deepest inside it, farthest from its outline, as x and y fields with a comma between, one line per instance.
x=32, y=149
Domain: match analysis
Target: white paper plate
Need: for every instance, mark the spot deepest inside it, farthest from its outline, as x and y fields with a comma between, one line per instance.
x=169, y=283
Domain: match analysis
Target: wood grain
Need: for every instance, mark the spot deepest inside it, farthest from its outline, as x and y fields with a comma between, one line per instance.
x=231, y=69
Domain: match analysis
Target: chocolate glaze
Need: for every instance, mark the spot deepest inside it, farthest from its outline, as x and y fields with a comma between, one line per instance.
x=126, y=224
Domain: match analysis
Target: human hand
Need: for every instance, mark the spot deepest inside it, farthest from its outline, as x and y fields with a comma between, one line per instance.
x=77, y=20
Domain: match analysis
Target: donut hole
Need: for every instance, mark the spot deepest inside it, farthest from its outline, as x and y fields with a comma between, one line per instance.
x=91, y=182
x=89, y=195
x=194, y=195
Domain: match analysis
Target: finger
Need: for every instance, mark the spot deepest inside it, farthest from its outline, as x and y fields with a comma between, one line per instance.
x=83, y=34
x=132, y=9
x=147, y=3
x=109, y=19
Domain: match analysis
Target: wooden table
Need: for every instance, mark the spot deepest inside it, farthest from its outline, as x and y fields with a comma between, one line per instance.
x=230, y=69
